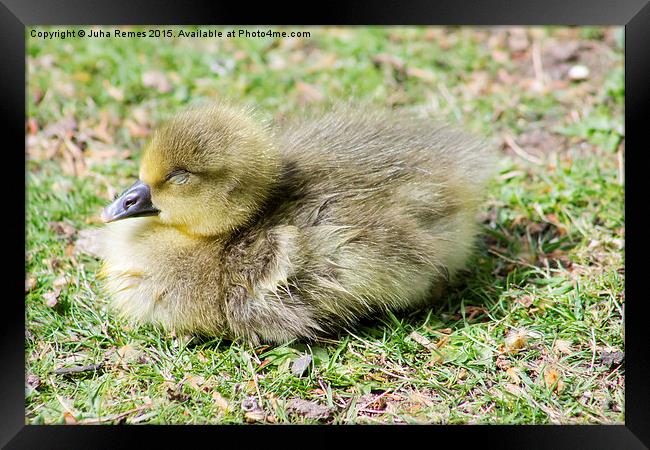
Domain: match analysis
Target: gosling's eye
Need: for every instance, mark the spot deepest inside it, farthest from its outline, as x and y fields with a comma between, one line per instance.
x=180, y=178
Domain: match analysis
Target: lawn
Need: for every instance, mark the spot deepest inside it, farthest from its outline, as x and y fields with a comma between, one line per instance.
x=532, y=334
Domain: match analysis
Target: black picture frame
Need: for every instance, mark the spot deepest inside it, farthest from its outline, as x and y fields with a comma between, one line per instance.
x=15, y=15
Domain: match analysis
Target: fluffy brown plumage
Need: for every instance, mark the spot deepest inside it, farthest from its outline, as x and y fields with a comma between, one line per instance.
x=270, y=233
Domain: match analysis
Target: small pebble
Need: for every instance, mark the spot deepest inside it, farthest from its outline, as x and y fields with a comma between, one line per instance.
x=578, y=73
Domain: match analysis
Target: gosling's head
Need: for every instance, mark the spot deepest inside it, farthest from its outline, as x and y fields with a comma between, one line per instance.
x=206, y=172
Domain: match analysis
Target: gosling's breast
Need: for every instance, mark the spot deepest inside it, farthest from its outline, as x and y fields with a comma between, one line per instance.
x=150, y=271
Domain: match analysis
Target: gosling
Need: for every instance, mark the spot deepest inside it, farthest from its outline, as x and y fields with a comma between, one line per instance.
x=270, y=233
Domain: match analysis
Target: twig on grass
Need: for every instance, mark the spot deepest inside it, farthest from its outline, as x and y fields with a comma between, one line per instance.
x=621, y=166
x=143, y=417
x=593, y=349
x=537, y=63
x=78, y=369
x=113, y=417
x=521, y=152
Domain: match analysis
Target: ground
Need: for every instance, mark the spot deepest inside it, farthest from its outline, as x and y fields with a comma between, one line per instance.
x=533, y=333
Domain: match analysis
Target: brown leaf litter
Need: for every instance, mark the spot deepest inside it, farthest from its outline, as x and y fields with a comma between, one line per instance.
x=309, y=409
x=88, y=242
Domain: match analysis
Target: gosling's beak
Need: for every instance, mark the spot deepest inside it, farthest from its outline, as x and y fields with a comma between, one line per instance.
x=134, y=202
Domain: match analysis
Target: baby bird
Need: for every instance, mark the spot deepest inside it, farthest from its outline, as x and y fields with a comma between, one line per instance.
x=270, y=233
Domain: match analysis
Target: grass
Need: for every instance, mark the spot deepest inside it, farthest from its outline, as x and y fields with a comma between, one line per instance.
x=532, y=335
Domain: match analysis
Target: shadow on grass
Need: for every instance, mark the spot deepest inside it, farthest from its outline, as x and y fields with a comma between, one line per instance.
x=506, y=258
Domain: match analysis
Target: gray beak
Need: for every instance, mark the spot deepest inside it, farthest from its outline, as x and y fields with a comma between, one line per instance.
x=134, y=202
